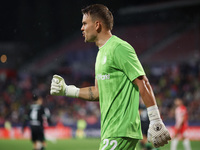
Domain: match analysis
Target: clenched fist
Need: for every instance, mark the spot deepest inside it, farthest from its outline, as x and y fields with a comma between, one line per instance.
x=59, y=88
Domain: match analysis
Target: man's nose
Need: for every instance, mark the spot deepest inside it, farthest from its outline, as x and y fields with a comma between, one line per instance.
x=82, y=29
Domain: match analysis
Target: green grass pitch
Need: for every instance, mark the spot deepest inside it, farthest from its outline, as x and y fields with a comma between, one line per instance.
x=72, y=144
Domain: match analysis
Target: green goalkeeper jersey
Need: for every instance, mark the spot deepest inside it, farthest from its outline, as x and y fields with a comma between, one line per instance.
x=117, y=65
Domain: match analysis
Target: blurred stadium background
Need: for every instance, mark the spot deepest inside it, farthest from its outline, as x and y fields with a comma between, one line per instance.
x=41, y=38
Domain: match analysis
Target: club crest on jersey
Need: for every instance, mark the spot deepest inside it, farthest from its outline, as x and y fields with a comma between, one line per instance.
x=104, y=60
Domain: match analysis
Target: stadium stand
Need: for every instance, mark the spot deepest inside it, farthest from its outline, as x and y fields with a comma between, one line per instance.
x=182, y=47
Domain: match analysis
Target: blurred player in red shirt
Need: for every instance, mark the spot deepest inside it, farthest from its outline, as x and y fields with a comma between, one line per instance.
x=181, y=125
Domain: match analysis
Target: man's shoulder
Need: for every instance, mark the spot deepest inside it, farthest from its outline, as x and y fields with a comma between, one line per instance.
x=119, y=41
x=181, y=109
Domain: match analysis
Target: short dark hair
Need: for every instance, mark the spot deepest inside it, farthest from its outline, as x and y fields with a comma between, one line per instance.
x=36, y=94
x=101, y=12
x=35, y=97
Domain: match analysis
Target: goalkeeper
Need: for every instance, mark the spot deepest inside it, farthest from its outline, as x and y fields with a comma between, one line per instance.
x=119, y=79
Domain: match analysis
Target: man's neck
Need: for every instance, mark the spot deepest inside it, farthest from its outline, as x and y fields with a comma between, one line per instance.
x=103, y=38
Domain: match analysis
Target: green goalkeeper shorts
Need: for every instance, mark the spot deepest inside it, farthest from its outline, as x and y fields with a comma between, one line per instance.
x=123, y=143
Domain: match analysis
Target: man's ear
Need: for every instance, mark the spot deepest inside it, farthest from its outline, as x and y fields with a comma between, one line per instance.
x=98, y=26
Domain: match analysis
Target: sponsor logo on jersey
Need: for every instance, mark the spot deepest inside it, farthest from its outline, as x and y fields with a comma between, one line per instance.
x=103, y=77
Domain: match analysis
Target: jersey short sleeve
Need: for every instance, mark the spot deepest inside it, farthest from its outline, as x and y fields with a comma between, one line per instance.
x=127, y=60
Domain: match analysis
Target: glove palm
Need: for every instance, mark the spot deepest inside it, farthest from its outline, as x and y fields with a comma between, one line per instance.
x=158, y=134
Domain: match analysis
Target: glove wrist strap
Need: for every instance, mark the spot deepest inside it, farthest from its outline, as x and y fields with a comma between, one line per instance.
x=153, y=113
x=72, y=91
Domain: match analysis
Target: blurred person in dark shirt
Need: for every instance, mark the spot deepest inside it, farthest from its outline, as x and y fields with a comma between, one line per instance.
x=36, y=116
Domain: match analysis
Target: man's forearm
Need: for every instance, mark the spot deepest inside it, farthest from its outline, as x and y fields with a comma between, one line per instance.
x=89, y=93
x=148, y=95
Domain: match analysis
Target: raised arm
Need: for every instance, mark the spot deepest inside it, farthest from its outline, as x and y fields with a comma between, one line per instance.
x=59, y=88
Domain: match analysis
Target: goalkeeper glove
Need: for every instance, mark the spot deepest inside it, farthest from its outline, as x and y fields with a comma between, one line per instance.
x=59, y=88
x=158, y=134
